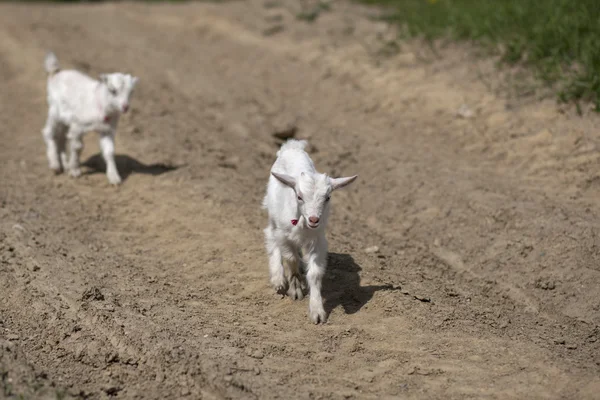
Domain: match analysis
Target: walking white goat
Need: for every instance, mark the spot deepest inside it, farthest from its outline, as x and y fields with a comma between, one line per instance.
x=297, y=201
x=78, y=104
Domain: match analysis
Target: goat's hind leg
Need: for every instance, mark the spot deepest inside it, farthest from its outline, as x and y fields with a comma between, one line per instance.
x=49, y=132
x=297, y=283
x=61, y=142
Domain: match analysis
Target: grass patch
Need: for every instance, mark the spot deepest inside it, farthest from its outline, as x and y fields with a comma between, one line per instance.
x=559, y=39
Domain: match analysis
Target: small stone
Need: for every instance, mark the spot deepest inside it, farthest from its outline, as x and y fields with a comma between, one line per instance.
x=545, y=284
x=109, y=307
x=19, y=227
x=465, y=112
x=372, y=249
x=135, y=130
x=257, y=354
x=92, y=293
x=324, y=356
x=287, y=131
x=228, y=164
x=79, y=353
x=12, y=337
x=112, y=390
x=6, y=345
x=571, y=346
x=132, y=361
x=256, y=371
x=112, y=357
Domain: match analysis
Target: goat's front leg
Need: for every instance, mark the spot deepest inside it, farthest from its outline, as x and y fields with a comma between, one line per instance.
x=316, y=256
x=75, y=135
x=107, y=144
x=275, y=266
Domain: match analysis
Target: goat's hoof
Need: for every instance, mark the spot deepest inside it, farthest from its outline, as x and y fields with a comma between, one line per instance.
x=55, y=167
x=295, y=289
x=280, y=285
x=114, y=179
x=280, y=289
x=317, y=316
x=75, y=172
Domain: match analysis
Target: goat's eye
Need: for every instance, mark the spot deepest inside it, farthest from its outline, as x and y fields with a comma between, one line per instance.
x=327, y=198
x=300, y=198
x=112, y=91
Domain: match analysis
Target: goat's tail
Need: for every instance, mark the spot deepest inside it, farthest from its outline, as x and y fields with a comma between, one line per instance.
x=293, y=144
x=51, y=64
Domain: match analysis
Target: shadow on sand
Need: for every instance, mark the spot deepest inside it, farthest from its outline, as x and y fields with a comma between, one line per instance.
x=341, y=285
x=126, y=166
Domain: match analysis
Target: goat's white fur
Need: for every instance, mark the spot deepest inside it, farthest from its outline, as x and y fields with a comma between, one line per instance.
x=78, y=104
x=297, y=192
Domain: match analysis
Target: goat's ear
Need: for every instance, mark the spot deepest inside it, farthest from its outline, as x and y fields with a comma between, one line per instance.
x=338, y=183
x=285, y=179
x=103, y=78
x=134, y=81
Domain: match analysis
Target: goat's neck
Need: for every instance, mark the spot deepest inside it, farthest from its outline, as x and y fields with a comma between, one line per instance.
x=102, y=103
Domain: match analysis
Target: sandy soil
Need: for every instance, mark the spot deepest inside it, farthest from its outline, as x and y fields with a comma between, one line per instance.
x=487, y=279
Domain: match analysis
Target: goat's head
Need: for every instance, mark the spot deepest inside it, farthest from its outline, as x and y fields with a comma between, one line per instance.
x=120, y=88
x=313, y=192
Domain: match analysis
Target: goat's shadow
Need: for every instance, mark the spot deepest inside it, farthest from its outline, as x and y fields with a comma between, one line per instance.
x=126, y=166
x=341, y=285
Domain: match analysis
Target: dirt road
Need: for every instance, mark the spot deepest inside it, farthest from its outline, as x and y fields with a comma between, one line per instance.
x=487, y=279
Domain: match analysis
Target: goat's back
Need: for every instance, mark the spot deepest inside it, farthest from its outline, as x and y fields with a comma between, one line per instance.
x=292, y=159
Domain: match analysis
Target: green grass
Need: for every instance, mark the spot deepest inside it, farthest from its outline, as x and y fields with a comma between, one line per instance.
x=559, y=39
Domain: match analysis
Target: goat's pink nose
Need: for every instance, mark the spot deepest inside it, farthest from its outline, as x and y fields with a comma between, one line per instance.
x=313, y=220
x=125, y=108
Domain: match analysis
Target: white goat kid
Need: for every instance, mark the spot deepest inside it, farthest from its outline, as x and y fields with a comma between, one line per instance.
x=297, y=201
x=78, y=104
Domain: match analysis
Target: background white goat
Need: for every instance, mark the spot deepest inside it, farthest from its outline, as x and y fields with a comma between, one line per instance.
x=297, y=201
x=78, y=104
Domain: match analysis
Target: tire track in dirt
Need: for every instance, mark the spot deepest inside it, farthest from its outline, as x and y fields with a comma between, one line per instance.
x=161, y=219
